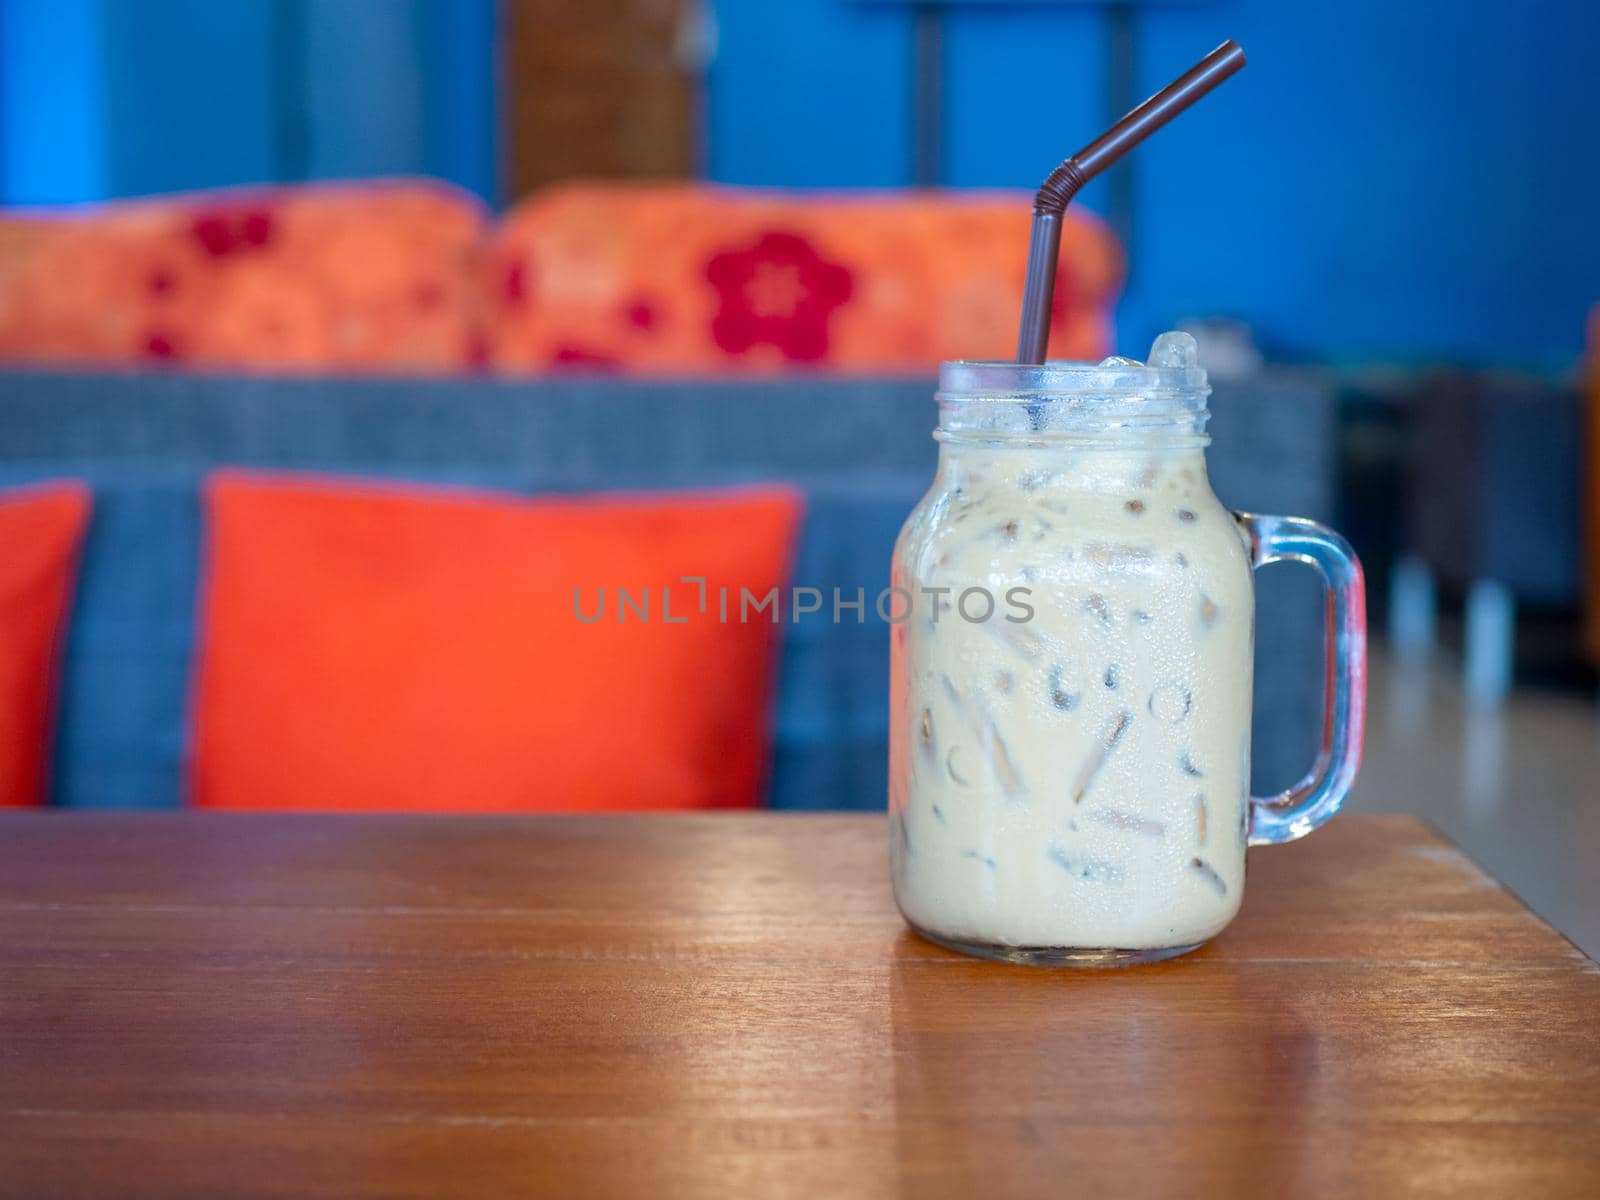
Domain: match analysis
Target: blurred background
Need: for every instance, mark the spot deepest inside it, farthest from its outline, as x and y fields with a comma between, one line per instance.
x=1383, y=185
x=552, y=245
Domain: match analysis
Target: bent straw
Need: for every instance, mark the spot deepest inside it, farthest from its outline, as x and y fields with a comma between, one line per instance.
x=1049, y=205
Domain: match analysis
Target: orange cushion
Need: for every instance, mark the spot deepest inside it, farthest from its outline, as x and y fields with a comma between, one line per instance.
x=366, y=646
x=369, y=276
x=41, y=529
x=691, y=278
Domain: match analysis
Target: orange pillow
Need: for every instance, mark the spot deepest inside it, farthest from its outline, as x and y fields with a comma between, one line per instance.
x=691, y=278
x=41, y=529
x=371, y=276
x=365, y=646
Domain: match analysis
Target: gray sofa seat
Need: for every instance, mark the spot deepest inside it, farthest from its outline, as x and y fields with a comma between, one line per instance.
x=859, y=448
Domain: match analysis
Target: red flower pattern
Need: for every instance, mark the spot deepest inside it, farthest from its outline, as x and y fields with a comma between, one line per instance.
x=223, y=231
x=779, y=292
x=577, y=356
x=642, y=314
x=516, y=282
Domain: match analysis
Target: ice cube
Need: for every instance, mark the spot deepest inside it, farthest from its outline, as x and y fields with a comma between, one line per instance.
x=1116, y=360
x=1174, y=349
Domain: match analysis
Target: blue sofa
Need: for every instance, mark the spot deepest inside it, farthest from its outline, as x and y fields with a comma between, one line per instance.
x=860, y=449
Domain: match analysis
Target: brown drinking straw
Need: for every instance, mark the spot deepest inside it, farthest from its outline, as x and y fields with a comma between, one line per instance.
x=1049, y=206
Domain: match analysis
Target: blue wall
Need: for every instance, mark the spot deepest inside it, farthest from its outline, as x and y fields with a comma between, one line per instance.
x=52, y=102
x=106, y=98
x=188, y=89
x=1392, y=180
x=809, y=94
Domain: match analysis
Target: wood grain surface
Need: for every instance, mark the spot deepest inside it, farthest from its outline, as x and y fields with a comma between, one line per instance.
x=728, y=1005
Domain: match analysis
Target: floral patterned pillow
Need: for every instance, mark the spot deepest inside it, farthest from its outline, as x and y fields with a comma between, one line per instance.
x=697, y=279
x=405, y=276
x=374, y=276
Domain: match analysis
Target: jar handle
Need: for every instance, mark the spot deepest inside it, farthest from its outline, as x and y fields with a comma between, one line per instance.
x=1296, y=812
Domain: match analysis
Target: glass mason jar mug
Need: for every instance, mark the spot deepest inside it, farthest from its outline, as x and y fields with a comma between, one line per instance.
x=1070, y=714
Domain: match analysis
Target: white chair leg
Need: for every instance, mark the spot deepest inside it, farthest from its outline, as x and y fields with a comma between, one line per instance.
x=1491, y=642
x=1413, y=608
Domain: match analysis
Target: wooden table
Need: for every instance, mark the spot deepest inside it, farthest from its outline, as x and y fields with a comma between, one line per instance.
x=209, y=1005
